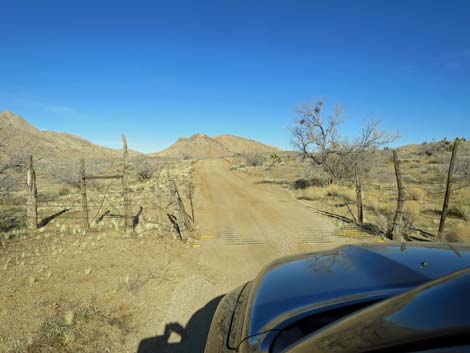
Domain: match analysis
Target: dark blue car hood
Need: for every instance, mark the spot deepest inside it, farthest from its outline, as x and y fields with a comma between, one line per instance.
x=312, y=282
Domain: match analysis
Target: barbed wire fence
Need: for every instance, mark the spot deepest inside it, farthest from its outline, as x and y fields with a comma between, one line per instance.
x=129, y=205
x=423, y=216
x=157, y=205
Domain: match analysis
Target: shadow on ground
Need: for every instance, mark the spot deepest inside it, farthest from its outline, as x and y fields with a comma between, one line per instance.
x=192, y=337
x=46, y=220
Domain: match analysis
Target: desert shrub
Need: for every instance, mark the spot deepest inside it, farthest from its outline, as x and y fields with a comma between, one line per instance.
x=335, y=191
x=68, y=172
x=253, y=159
x=458, y=233
x=462, y=170
x=304, y=183
x=144, y=173
x=432, y=209
x=408, y=179
x=342, y=192
x=384, y=213
x=413, y=207
x=432, y=148
x=412, y=212
x=64, y=191
x=145, y=168
x=12, y=218
x=64, y=172
x=312, y=193
x=460, y=211
x=7, y=186
x=273, y=181
x=64, y=328
x=415, y=193
x=275, y=158
x=301, y=184
x=311, y=176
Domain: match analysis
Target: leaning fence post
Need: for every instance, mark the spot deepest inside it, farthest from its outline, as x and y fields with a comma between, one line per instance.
x=159, y=205
x=86, y=222
x=190, y=196
x=125, y=186
x=450, y=173
x=360, y=209
x=396, y=230
x=176, y=204
x=32, y=204
x=182, y=210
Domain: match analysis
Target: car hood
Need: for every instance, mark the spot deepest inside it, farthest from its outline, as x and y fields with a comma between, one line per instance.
x=300, y=285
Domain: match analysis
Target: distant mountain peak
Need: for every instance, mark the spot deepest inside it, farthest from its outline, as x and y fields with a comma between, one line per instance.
x=15, y=121
x=203, y=146
x=18, y=136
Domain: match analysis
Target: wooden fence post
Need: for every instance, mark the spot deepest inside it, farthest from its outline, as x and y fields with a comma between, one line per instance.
x=32, y=204
x=450, y=173
x=396, y=229
x=360, y=209
x=190, y=196
x=159, y=205
x=184, y=214
x=176, y=204
x=86, y=222
x=125, y=187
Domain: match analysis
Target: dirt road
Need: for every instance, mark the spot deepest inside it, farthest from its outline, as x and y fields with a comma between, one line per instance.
x=245, y=225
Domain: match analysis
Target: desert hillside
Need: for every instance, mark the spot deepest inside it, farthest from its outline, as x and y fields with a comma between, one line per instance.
x=236, y=144
x=203, y=146
x=19, y=137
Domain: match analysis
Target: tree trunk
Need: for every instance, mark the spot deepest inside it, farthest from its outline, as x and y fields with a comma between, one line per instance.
x=445, y=206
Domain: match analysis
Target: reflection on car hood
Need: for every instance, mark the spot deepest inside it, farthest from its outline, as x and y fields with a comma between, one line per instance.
x=295, y=284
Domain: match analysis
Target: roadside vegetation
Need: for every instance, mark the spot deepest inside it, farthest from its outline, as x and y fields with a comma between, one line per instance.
x=354, y=178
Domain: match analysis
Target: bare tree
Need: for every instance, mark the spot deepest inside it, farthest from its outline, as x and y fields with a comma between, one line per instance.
x=320, y=140
x=360, y=155
x=316, y=137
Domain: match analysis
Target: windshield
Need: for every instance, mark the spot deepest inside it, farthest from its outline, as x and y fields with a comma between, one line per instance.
x=154, y=155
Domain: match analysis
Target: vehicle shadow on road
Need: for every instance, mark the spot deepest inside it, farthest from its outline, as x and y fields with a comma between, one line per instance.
x=193, y=336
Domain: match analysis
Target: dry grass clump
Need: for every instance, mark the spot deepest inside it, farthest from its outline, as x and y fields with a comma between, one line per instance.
x=458, y=233
x=253, y=159
x=313, y=193
x=342, y=192
x=415, y=193
x=63, y=329
x=413, y=207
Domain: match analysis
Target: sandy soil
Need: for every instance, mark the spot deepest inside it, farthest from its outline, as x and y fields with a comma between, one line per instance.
x=131, y=294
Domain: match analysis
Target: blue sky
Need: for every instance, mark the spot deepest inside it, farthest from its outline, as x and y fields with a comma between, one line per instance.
x=158, y=70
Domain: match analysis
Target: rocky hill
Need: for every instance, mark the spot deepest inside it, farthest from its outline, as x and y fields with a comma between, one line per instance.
x=236, y=144
x=203, y=146
x=19, y=137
